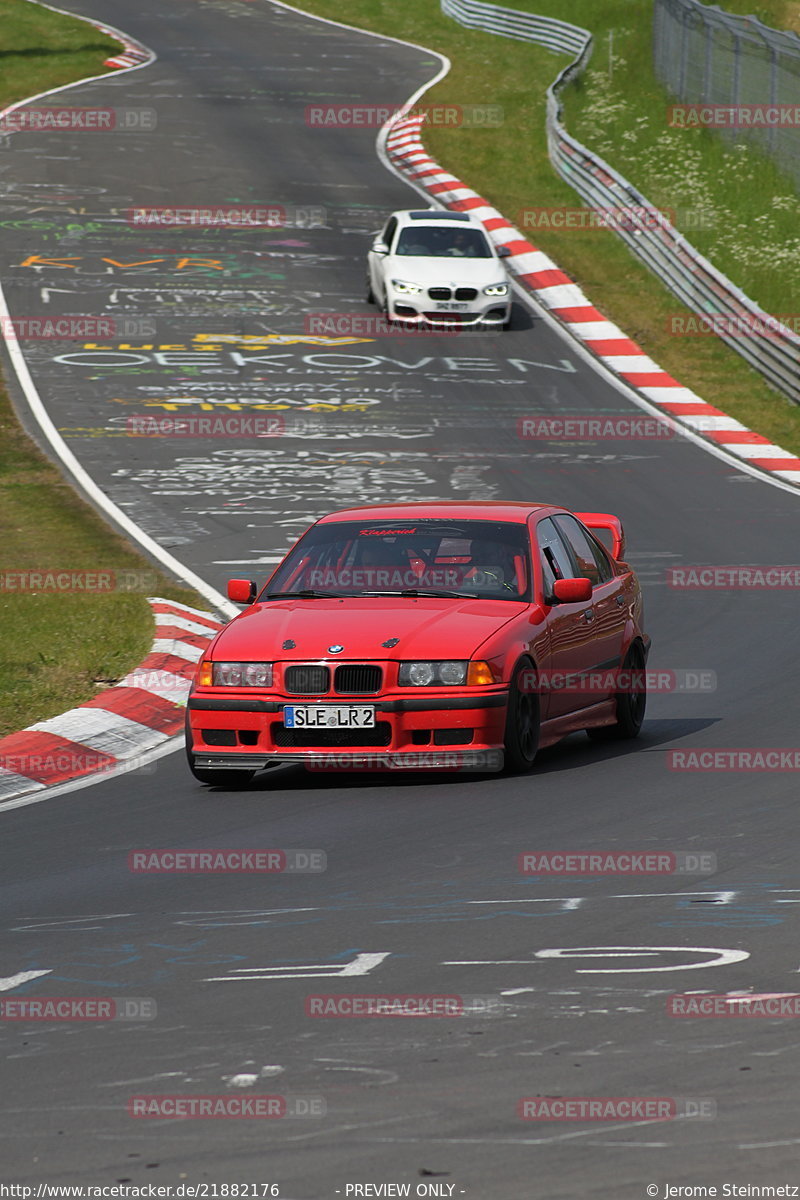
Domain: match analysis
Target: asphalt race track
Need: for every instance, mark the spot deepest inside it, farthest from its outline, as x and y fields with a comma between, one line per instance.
x=421, y=870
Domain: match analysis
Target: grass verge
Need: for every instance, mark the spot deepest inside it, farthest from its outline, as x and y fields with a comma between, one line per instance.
x=42, y=50
x=732, y=202
x=59, y=650
x=510, y=166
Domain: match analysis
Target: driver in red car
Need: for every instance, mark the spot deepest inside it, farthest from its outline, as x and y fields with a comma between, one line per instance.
x=492, y=568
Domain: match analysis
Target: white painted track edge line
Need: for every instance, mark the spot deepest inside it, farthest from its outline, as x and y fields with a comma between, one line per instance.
x=97, y=24
x=42, y=418
x=88, y=486
x=169, y=746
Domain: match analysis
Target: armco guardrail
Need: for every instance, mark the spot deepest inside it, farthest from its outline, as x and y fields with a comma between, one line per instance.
x=525, y=27
x=736, y=318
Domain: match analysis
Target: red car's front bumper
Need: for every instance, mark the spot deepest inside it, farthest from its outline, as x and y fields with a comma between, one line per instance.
x=443, y=731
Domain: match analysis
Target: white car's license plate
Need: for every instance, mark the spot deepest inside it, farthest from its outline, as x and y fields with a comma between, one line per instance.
x=325, y=716
x=446, y=306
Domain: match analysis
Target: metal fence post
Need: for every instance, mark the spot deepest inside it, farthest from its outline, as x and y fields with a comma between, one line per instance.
x=737, y=66
x=773, y=94
x=708, y=73
x=684, y=23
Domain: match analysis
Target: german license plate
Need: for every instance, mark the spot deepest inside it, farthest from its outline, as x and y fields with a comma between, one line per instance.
x=445, y=306
x=325, y=716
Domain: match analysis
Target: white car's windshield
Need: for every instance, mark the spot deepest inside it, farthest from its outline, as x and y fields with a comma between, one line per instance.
x=425, y=241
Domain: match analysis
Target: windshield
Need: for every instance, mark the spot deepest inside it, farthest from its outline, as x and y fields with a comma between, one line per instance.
x=427, y=241
x=471, y=559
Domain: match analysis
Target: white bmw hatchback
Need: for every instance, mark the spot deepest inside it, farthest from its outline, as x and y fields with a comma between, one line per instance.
x=435, y=267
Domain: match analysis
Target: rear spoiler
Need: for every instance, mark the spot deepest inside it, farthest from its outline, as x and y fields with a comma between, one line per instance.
x=612, y=524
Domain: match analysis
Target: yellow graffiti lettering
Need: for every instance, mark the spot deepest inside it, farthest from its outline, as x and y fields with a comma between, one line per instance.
x=256, y=340
x=215, y=263
x=144, y=263
x=35, y=260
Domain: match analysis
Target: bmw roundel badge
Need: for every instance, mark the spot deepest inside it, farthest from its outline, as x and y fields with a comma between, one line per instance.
x=335, y=649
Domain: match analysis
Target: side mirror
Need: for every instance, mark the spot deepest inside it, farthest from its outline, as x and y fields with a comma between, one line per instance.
x=503, y=252
x=380, y=248
x=571, y=591
x=242, y=591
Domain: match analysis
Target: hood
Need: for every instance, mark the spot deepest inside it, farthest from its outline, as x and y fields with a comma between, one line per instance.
x=446, y=272
x=426, y=628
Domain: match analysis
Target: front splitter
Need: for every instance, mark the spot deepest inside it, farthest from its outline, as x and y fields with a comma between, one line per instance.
x=440, y=760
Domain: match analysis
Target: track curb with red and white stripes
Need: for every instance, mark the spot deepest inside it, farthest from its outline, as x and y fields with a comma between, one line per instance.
x=565, y=301
x=133, y=54
x=120, y=725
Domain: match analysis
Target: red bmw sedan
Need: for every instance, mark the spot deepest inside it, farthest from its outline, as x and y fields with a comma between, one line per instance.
x=425, y=636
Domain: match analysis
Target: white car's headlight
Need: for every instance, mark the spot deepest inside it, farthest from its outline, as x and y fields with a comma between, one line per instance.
x=406, y=289
x=496, y=289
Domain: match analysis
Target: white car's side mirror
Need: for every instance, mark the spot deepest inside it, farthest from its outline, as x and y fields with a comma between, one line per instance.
x=380, y=247
x=503, y=252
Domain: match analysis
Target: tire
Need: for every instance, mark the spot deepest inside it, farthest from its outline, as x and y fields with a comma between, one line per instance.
x=370, y=295
x=630, y=705
x=221, y=778
x=522, y=724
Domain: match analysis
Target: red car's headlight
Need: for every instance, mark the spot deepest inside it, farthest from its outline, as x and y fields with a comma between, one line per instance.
x=450, y=673
x=235, y=674
x=432, y=674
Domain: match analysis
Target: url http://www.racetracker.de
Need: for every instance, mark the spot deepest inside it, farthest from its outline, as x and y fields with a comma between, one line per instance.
x=133, y=1191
